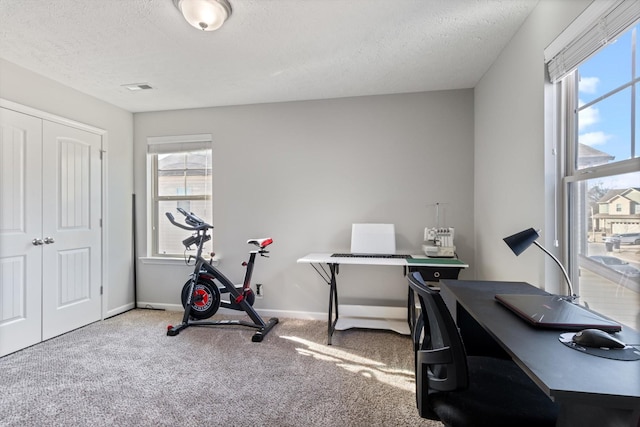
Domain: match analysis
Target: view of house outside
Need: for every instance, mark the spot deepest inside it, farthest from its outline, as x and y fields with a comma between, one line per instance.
x=605, y=216
x=182, y=180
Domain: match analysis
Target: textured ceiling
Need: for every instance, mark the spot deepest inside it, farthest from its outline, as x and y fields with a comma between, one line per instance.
x=268, y=51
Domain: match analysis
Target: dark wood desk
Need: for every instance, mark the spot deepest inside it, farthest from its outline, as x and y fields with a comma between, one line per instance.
x=590, y=390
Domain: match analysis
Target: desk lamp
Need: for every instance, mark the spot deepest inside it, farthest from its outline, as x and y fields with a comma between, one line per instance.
x=519, y=242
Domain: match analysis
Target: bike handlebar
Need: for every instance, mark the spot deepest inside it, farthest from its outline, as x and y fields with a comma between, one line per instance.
x=191, y=219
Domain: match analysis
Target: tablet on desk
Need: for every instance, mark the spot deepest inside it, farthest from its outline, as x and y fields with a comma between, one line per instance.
x=555, y=312
x=372, y=239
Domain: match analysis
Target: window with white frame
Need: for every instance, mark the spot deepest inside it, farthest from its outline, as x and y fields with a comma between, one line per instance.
x=598, y=91
x=180, y=176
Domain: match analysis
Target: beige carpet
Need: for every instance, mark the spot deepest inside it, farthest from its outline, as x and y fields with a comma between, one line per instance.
x=125, y=371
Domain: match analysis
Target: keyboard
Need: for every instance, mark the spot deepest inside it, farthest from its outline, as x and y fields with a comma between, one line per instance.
x=396, y=256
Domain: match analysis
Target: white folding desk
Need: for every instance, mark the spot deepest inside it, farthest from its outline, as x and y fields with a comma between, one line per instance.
x=375, y=317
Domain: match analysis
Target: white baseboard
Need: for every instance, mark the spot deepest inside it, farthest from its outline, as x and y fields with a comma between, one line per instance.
x=119, y=310
x=287, y=314
x=159, y=306
x=395, y=315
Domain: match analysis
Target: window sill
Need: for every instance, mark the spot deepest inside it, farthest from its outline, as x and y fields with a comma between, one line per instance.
x=170, y=261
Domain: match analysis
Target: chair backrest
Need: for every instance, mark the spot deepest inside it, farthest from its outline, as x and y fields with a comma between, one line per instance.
x=441, y=360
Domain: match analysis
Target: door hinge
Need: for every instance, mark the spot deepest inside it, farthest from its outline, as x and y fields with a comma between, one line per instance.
x=100, y=222
x=101, y=290
x=101, y=153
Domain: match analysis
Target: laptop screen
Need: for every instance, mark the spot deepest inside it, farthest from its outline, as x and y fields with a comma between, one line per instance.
x=554, y=312
x=377, y=239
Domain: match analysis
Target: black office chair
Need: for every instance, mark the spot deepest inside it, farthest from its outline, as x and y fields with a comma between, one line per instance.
x=461, y=390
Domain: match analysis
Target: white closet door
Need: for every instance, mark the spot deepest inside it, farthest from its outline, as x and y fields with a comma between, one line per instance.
x=20, y=226
x=71, y=229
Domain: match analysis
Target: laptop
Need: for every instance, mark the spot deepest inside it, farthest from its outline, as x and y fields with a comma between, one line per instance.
x=555, y=312
x=373, y=241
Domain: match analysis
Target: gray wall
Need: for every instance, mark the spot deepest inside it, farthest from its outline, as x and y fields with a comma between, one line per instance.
x=303, y=172
x=510, y=154
x=24, y=87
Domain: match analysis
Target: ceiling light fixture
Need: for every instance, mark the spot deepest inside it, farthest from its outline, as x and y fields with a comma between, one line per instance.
x=206, y=15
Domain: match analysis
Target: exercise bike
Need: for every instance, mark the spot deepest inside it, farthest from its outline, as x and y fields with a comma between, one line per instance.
x=201, y=294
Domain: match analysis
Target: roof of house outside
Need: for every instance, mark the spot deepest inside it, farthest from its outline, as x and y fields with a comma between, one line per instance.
x=589, y=156
x=632, y=194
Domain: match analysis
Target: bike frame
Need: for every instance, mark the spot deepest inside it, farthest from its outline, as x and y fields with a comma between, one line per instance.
x=202, y=268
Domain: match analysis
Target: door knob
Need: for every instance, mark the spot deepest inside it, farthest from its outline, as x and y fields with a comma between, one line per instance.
x=49, y=240
x=37, y=242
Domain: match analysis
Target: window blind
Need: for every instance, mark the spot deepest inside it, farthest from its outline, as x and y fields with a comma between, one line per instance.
x=177, y=144
x=597, y=26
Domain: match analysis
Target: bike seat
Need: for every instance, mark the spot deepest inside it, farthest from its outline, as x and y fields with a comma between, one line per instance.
x=262, y=243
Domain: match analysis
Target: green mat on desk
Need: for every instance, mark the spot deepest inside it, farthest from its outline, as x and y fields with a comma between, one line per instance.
x=443, y=261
